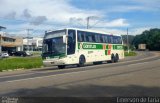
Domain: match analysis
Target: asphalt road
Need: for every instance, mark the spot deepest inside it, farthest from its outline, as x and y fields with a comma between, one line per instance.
x=133, y=76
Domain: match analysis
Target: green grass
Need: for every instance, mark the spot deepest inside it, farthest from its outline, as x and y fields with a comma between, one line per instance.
x=131, y=53
x=20, y=62
x=36, y=52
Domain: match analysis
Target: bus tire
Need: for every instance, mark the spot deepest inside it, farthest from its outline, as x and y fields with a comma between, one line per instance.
x=116, y=57
x=112, y=58
x=82, y=61
x=61, y=66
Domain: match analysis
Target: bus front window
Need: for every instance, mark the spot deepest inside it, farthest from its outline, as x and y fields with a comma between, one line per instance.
x=54, y=46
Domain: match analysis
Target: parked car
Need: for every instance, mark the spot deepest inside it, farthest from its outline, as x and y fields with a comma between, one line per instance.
x=29, y=54
x=22, y=53
x=11, y=53
x=4, y=55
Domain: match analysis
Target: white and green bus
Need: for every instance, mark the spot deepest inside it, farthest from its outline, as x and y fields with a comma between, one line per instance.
x=79, y=46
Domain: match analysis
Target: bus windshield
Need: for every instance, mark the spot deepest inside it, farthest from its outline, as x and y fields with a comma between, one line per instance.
x=54, y=46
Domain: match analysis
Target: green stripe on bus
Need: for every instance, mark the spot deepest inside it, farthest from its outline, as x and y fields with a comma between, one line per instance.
x=94, y=46
x=106, y=52
x=117, y=47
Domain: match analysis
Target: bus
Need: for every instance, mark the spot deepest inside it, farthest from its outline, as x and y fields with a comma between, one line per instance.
x=80, y=46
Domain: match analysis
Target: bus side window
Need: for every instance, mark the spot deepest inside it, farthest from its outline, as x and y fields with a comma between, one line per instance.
x=87, y=37
x=114, y=40
x=106, y=39
x=119, y=40
x=110, y=39
x=84, y=36
x=93, y=37
x=97, y=38
x=71, y=42
x=101, y=38
x=79, y=36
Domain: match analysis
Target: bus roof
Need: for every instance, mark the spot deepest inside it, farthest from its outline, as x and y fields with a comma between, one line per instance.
x=87, y=30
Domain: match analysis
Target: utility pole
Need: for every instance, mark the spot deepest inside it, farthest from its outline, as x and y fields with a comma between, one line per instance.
x=127, y=41
x=88, y=22
x=28, y=31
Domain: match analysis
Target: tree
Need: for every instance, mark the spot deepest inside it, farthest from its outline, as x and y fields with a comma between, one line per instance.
x=151, y=38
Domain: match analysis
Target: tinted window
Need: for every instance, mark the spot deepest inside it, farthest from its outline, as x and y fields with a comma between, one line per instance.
x=71, y=42
x=109, y=39
x=89, y=37
x=93, y=37
x=84, y=37
x=101, y=39
x=117, y=40
x=106, y=38
x=97, y=36
x=80, y=36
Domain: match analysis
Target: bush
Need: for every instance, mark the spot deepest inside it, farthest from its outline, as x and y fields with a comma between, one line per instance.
x=131, y=53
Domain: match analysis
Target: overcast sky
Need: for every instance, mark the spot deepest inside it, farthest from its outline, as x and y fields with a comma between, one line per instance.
x=113, y=16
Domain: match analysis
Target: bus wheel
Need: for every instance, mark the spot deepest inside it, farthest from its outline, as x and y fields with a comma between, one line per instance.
x=116, y=58
x=112, y=58
x=61, y=66
x=81, y=61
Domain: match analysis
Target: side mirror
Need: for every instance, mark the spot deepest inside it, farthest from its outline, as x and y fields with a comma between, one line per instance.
x=64, y=39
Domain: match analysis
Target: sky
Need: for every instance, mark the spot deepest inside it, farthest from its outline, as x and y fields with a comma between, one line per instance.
x=113, y=16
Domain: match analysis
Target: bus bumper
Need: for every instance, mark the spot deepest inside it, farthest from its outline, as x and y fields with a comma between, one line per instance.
x=53, y=62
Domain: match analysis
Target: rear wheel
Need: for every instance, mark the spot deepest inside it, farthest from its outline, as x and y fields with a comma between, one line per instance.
x=82, y=61
x=112, y=59
x=61, y=66
x=116, y=58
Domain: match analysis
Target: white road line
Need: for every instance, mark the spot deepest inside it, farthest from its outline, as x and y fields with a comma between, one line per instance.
x=138, y=64
x=17, y=75
x=42, y=77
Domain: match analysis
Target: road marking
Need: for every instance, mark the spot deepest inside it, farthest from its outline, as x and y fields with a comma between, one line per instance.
x=17, y=75
x=41, y=77
x=138, y=63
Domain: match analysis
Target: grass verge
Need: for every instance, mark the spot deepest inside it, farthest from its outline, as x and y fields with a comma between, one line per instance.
x=131, y=53
x=20, y=63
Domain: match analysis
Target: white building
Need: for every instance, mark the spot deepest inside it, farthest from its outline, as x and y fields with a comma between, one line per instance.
x=32, y=44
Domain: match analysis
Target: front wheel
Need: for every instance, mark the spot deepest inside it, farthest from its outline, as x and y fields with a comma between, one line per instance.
x=81, y=61
x=61, y=66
